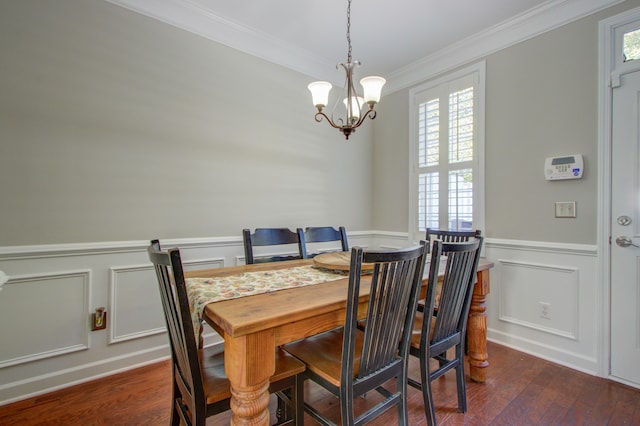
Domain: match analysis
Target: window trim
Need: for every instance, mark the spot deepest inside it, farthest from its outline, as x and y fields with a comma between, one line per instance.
x=479, y=169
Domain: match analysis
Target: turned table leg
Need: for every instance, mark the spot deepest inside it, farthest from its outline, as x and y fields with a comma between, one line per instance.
x=249, y=362
x=477, y=329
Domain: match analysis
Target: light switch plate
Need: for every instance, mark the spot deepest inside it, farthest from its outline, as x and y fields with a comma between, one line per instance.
x=566, y=209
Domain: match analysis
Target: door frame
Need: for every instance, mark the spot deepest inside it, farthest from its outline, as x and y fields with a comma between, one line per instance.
x=608, y=76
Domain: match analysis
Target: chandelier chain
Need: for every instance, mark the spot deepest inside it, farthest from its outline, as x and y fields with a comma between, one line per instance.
x=349, y=30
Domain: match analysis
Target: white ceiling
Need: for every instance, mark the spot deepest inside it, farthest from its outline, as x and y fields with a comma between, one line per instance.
x=403, y=40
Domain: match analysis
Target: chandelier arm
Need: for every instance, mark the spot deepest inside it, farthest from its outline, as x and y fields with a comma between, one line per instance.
x=319, y=116
x=371, y=113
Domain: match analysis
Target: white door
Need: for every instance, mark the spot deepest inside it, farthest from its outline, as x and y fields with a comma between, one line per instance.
x=625, y=230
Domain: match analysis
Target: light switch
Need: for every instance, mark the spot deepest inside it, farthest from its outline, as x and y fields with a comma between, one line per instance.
x=566, y=209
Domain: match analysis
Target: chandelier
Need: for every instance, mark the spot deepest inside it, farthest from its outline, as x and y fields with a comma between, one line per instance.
x=354, y=105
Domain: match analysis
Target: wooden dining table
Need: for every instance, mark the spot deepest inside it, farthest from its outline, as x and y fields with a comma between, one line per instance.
x=253, y=326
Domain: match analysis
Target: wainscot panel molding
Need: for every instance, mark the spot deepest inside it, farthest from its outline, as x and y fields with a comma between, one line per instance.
x=45, y=308
x=552, y=285
x=25, y=304
x=134, y=302
x=543, y=300
x=63, y=284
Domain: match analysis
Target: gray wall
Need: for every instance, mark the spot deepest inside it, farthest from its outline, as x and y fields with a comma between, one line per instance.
x=114, y=126
x=391, y=163
x=542, y=101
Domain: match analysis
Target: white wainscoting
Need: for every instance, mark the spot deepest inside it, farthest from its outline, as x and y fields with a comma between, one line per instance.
x=562, y=276
x=25, y=306
x=52, y=290
x=555, y=288
x=45, y=307
x=134, y=301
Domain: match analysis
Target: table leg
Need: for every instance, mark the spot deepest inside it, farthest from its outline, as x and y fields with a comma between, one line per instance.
x=477, y=329
x=249, y=363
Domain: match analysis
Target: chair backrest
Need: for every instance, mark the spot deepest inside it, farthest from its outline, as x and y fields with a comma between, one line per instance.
x=325, y=234
x=395, y=286
x=450, y=236
x=454, y=297
x=272, y=237
x=184, y=350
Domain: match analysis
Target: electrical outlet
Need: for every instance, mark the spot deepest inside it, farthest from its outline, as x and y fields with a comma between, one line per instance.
x=545, y=310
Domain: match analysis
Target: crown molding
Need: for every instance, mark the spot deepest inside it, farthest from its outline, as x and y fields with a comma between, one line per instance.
x=189, y=16
x=548, y=16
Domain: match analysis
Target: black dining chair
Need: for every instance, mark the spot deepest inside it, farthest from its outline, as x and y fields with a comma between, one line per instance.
x=450, y=236
x=200, y=386
x=350, y=362
x=325, y=234
x=447, y=236
x=434, y=335
x=263, y=237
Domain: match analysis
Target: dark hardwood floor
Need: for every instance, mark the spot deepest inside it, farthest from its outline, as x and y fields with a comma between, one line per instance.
x=521, y=390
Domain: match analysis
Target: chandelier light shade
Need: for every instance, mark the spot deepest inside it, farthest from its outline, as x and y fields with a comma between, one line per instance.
x=320, y=93
x=354, y=109
x=372, y=86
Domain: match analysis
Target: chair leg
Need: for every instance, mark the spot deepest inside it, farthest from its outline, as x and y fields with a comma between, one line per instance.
x=429, y=409
x=427, y=397
x=282, y=412
x=297, y=399
x=346, y=407
x=462, y=390
x=403, y=407
x=175, y=414
x=290, y=409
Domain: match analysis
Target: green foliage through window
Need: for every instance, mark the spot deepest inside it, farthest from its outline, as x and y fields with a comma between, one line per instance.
x=631, y=46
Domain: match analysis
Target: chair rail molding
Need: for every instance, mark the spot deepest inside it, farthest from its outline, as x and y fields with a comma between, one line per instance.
x=542, y=246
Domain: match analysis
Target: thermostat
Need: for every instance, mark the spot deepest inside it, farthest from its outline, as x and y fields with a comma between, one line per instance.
x=567, y=167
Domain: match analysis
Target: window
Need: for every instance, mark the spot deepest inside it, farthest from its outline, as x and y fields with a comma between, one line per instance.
x=631, y=46
x=447, y=179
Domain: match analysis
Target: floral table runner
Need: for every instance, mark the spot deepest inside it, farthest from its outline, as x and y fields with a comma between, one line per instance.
x=203, y=291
